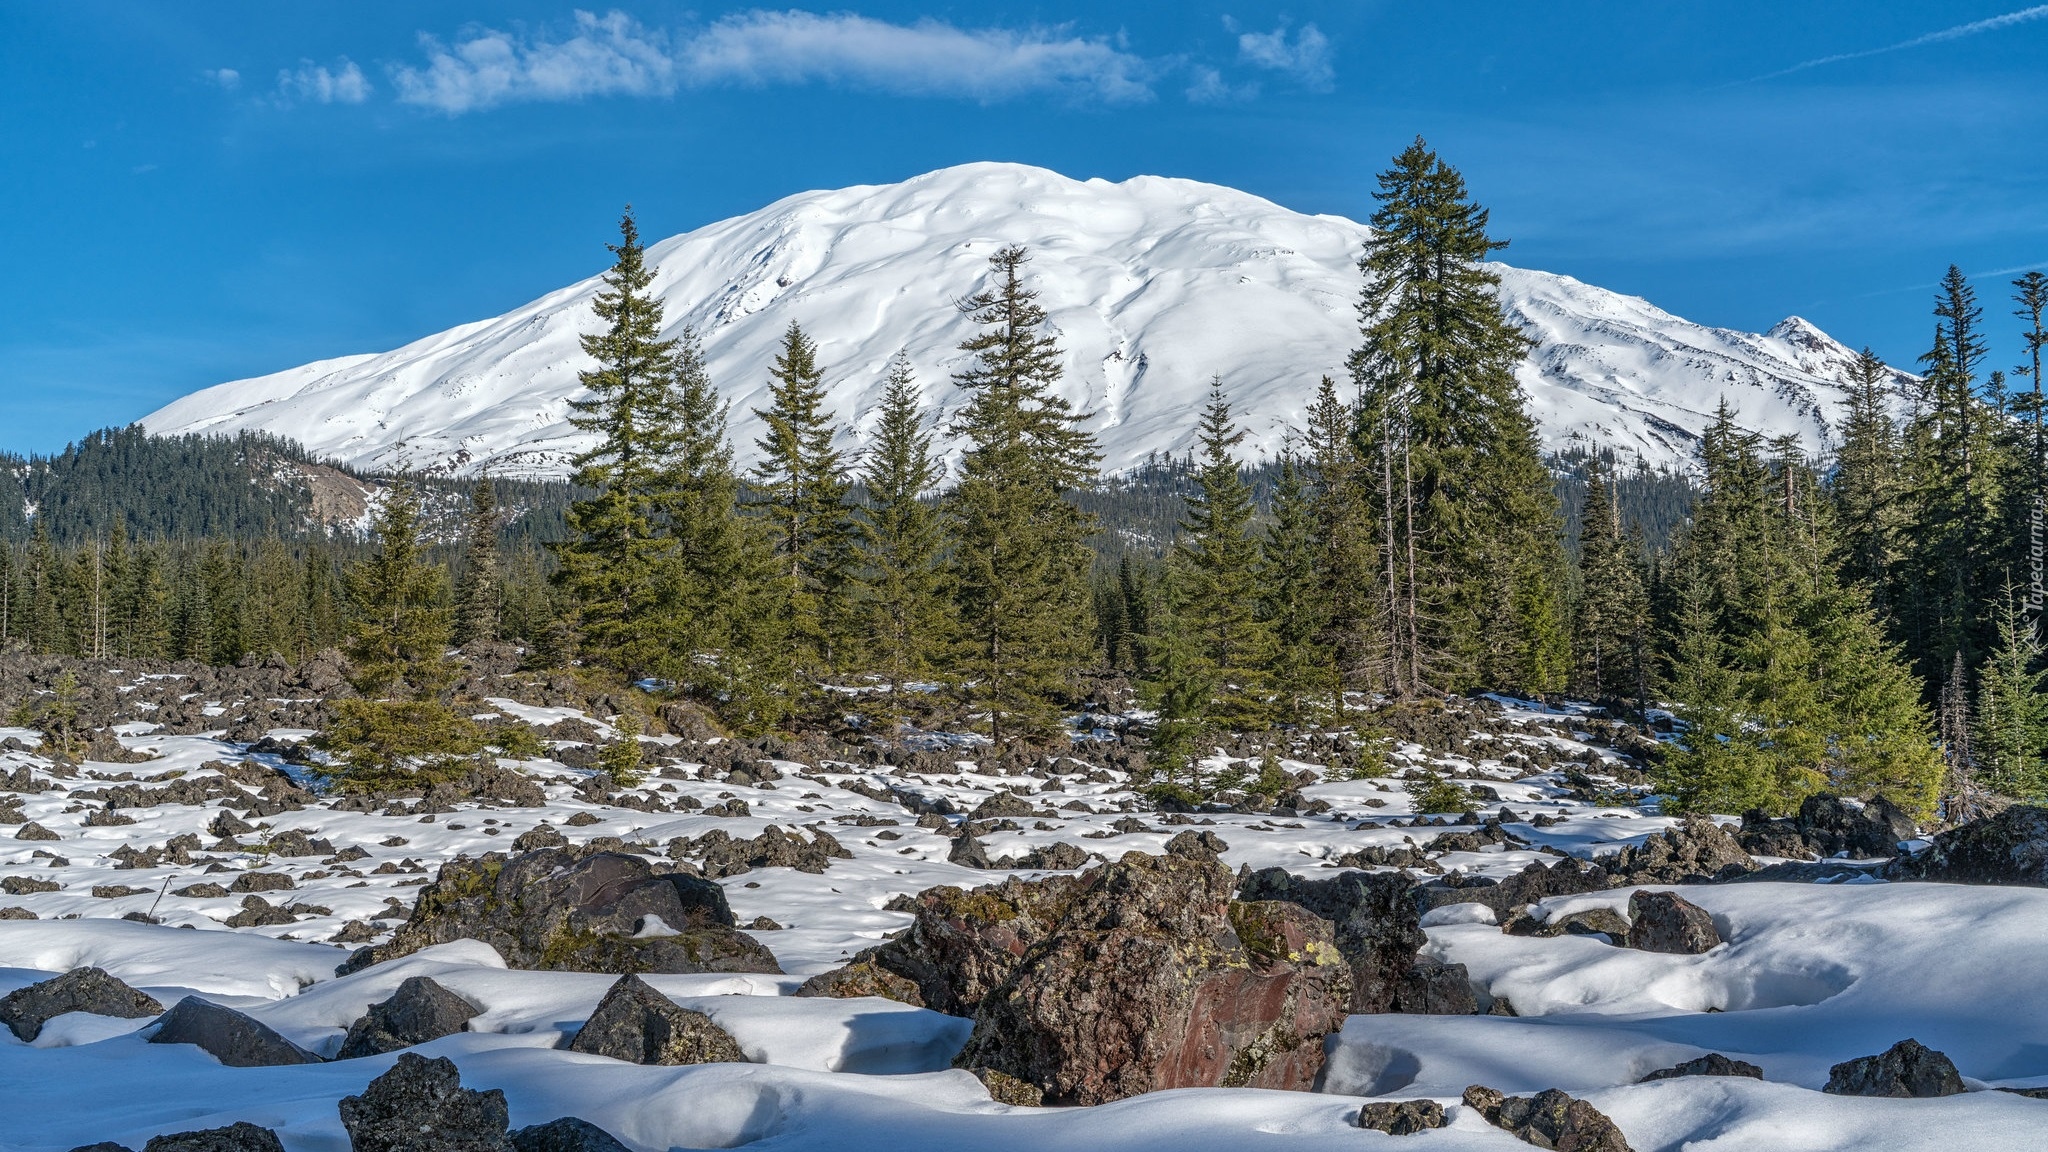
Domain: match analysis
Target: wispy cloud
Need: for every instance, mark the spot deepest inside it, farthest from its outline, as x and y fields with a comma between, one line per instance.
x=227, y=78
x=343, y=83
x=615, y=54
x=1956, y=32
x=1305, y=56
x=1209, y=87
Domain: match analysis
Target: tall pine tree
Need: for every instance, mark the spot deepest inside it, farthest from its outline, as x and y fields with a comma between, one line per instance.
x=802, y=485
x=901, y=538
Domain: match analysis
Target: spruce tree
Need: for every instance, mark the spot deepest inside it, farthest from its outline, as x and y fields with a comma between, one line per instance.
x=1020, y=559
x=1867, y=487
x=900, y=538
x=802, y=486
x=478, y=595
x=1469, y=527
x=1346, y=531
x=613, y=566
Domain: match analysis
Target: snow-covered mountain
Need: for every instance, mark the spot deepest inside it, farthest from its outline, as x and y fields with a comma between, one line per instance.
x=1154, y=285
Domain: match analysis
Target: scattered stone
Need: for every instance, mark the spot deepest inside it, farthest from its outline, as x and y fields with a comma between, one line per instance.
x=577, y=910
x=1829, y=826
x=581, y=820
x=241, y=1136
x=262, y=882
x=2009, y=848
x=233, y=1038
x=1549, y=1119
x=26, y=1010
x=204, y=890
x=418, y=1011
x=1696, y=850
x=1192, y=843
x=16, y=912
x=720, y=855
x=1435, y=988
x=1908, y=1068
x=863, y=977
x=27, y=885
x=35, y=831
x=103, y=1146
x=1153, y=978
x=1667, y=922
x=540, y=836
x=421, y=1106
x=1579, y=922
x=1712, y=1064
x=639, y=1025
x=1401, y=1117
x=567, y=1134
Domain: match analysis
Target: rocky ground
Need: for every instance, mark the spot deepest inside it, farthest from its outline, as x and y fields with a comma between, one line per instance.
x=840, y=943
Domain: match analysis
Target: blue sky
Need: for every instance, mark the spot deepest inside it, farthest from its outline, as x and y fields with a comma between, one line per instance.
x=192, y=193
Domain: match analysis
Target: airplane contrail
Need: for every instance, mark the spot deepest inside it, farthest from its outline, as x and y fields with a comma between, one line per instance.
x=1988, y=24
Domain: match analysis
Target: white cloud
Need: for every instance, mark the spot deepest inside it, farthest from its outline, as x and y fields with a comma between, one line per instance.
x=929, y=58
x=616, y=55
x=342, y=84
x=1305, y=57
x=607, y=55
x=1209, y=87
x=227, y=78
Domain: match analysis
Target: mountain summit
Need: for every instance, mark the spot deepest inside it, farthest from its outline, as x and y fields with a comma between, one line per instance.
x=1154, y=285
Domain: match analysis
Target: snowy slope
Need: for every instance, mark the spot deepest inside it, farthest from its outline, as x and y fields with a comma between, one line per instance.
x=1155, y=285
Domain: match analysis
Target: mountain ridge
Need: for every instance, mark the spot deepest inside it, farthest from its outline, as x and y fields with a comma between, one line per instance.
x=1153, y=284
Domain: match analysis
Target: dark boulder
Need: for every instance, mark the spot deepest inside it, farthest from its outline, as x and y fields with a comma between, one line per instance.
x=1508, y=897
x=241, y=1136
x=1712, y=1064
x=1004, y=1088
x=1378, y=929
x=26, y=1010
x=960, y=946
x=1153, y=978
x=420, y=1105
x=639, y=1025
x=1828, y=826
x=233, y=1038
x=1549, y=1119
x=719, y=855
x=1667, y=922
x=1434, y=988
x=418, y=1011
x=1908, y=1068
x=567, y=1134
x=2009, y=848
x=1401, y=1117
x=103, y=1146
x=862, y=977
x=1578, y=922
x=574, y=910
x=1695, y=851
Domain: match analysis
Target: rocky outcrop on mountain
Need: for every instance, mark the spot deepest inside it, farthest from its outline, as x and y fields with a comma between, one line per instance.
x=236, y=1039
x=1549, y=1119
x=639, y=1025
x=571, y=909
x=1667, y=922
x=1827, y=826
x=1908, y=1068
x=1378, y=930
x=1154, y=978
x=418, y=1011
x=420, y=1104
x=26, y=1010
x=2008, y=848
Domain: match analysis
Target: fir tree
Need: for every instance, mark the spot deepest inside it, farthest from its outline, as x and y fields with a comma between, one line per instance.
x=478, y=595
x=614, y=565
x=1020, y=561
x=2011, y=741
x=900, y=537
x=1867, y=484
x=1469, y=526
x=399, y=727
x=1613, y=614
x=1346, y=533
x=1216, y=559
x=1295, y=604
x=803, y=494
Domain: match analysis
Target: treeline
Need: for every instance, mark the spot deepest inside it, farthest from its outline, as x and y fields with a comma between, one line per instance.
x=247, y=487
